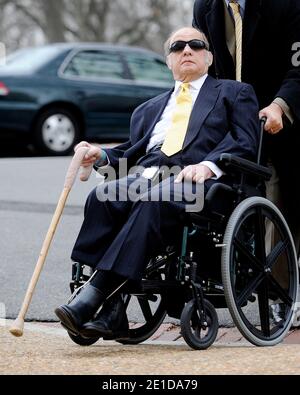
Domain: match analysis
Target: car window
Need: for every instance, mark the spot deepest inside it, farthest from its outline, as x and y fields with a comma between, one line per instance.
x=30, y=59
x=148, y=69
x=97, y=64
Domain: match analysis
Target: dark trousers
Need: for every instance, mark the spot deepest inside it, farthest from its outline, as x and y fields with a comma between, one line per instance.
x=122, y=236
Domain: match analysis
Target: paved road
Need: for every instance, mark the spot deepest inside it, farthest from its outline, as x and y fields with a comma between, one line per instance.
x=30, y=189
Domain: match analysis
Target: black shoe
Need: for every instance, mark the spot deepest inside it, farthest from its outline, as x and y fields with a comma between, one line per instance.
x=111, y=322
x=81, y=309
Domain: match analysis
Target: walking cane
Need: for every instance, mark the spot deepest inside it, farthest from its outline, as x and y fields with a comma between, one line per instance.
x=18, y=325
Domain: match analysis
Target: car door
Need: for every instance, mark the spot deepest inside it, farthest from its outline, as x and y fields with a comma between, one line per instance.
x=99, y=82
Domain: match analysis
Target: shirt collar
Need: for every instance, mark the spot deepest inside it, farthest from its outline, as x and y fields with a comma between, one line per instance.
x=242, y=4
x=196, y=84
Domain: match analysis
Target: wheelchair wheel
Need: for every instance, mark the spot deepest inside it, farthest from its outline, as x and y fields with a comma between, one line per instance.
x=260, y=278
x=194, y=334
x=149, y=305
x=82, y=341
x=153, y=312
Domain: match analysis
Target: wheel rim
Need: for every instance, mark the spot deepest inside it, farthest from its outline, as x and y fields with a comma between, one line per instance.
x=253, y=274
x=199, y=332
x=58, y=132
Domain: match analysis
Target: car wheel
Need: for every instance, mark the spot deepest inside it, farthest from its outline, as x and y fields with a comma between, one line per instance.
x=56, y=132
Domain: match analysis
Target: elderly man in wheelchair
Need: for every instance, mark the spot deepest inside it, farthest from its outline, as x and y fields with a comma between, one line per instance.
x=186, y=241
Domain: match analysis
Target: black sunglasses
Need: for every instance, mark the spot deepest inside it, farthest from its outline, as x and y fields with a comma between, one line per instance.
x=195, y=45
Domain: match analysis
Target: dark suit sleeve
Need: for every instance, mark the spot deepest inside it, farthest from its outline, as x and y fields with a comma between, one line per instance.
x=242, y=138
x=198, y=12
x=290, y=88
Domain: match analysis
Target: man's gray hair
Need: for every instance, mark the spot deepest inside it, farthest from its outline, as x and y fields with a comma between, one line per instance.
x=168, y=42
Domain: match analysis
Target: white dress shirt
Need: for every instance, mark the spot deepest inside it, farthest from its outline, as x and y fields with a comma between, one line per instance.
x=160, y=129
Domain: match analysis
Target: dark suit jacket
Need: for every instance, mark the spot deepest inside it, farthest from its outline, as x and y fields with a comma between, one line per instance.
x=270, y=28
x=224, y=119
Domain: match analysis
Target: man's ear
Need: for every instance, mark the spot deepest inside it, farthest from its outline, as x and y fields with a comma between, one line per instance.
x=209, y=58
x=169, y=62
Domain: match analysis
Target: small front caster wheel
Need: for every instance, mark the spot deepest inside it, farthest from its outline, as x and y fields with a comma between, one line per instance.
x=196, y=335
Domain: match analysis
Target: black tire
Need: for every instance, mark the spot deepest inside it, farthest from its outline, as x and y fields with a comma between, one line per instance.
x=82, y=341
x=56, y=132
x=191, y=328
x=258, y=277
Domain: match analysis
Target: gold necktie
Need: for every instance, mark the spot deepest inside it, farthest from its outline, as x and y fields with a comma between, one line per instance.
x=238, y=37
x=176, y=134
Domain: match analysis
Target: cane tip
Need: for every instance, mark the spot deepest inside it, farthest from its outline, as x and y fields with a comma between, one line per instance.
x=16, y=332
x=17, y=329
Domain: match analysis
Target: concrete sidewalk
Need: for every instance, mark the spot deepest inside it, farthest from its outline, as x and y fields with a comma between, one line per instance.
x=46, y=349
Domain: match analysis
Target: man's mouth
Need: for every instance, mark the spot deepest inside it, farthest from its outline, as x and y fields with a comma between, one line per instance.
x=187, y=61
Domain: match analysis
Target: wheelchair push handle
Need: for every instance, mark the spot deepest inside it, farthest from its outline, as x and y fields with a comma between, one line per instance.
x=262, y=123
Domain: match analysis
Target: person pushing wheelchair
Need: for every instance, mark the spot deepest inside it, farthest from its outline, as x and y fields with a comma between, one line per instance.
x=186, y=128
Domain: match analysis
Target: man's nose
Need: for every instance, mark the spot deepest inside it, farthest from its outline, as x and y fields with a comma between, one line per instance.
x=187, y=48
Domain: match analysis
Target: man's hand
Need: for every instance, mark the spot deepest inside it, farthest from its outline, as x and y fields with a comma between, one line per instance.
x=93, y=154
x=274, y=115
x=197, y=173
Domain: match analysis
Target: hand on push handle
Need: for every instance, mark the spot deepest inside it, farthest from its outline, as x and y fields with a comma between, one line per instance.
x=273, y=114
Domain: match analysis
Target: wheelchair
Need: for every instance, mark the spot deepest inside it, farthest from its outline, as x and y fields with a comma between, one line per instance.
x=224, y=261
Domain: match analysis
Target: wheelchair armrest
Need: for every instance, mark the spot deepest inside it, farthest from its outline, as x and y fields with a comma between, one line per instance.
x=219, y=203
x=236, y=164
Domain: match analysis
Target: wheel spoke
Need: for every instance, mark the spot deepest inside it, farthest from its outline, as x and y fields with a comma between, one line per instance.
x=146, y=310
x=251, y=259
x=263, y=303
x=280, y=247
x=127, y=300
x=281, y=292
x=260, y=248
x=198, y=331
x=252, y=286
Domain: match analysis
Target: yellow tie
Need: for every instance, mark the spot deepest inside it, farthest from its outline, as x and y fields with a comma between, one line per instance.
x=238, y=37
x=176, y=134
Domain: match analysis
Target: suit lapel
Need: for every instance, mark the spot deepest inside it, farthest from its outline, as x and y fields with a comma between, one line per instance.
x=205, y=102
x=153, y=114
x=216, y=29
